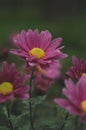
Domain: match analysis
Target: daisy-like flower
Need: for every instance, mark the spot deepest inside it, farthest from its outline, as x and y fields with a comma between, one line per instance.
x=37, y=48
x=51, y=71
x=41, y=83
x=78, y=69
x=75, y=101
x=12, y=83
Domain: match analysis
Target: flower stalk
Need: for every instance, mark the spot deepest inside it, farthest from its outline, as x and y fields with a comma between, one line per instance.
x=9, y=118
x=66, y=117
x=30, y=105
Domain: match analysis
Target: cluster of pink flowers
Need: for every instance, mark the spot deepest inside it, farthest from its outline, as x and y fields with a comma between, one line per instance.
x=75, y=101
x=40, y=52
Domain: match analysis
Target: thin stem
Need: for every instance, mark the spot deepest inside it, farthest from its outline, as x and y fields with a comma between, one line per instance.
x=9, y=118
x=81, y=125
x=66, y=117
x=30, y=105
x=77, y=124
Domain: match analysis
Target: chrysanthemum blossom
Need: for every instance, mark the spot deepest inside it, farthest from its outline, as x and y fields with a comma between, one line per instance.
x=41, y=83
x=78, y=69
x=75, y=101
x=51, y=71
x=12, y=83
x=38, y=48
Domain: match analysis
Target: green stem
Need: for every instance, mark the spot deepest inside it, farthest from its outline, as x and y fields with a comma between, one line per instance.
x=81, y=126
x=66, y=117
x=30, y=105
x=9, y=118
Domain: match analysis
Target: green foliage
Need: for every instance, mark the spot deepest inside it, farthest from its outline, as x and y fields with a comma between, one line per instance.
x=20, y=120
x=21, y=107
x=46, y=116
x=37, y=100
x=25, y=127
x=48, y=123
x=3, y=128
x=3, y=117
x=20, y=113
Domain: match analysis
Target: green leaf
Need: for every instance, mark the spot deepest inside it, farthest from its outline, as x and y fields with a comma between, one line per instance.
x=37, y=100
x=3, y=116
x=21, y=120
x=21, y=106
x=26, y=127
x=48, y=123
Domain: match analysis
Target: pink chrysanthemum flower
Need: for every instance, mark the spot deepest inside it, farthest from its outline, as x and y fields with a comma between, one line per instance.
x=51, y=71
x=12, y=83
x=76, y=98
x=38, y=48
x=78, y=69
x=41, y=83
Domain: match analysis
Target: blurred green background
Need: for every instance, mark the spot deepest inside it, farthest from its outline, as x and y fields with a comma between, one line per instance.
x=65, y=19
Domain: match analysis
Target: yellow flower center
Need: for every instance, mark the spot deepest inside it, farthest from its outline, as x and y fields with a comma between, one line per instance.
x=37, y=52
x=83, y=105
x=83, y=74
x=6, y=88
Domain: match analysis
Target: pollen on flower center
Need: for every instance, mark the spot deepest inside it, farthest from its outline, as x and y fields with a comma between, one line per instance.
x=83, y=74
x=6, y=88
x=37, y=52
x=83, y=105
